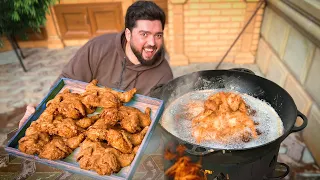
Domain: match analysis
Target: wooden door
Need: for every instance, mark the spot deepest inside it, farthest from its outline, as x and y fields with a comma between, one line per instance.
x=73, y=21
x=105, y=18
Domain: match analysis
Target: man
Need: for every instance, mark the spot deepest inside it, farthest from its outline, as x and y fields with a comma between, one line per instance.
x=133, y=58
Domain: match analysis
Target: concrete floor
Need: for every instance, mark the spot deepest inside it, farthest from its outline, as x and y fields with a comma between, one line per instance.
x=17, y=89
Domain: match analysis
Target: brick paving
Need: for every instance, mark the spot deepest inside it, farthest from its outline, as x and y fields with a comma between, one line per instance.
x=17, y=89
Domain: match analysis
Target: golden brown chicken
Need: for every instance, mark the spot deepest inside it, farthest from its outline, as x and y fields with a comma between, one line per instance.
x=136, y=138
x=110, y=116
x=34, y=143
x=225, y=118
x=119, y=141
x=69, y=104
x=123, y=159
x=129, y=119
x=87, y=121
x=98, y=131
x=113, y=137
x=92, y=156
x=74, y=142
x=55, y=149
x=122, y=96
x=144, y=118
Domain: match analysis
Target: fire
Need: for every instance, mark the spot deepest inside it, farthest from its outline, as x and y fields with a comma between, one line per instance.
x=184, y=168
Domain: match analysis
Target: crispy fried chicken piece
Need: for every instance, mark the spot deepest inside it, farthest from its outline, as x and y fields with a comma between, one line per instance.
x=87, y=121
x=74, y=142
x=98, y=131
x=129, y=119
x=225, y=118
x=123, y=159
x=32, y=129
x=69, y=104
x=95, y=96
x=33, y=144
x=110, y=116
x=144, y=118
x=136, y=138
x=122, y=96
x=92, y=156
x=119, y=141
x=55, y=149
x=66, y=128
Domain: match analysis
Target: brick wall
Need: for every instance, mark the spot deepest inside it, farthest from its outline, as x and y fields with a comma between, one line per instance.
x=211, y=26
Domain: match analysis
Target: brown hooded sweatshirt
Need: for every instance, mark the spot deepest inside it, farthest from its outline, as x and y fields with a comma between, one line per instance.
x=104, y=59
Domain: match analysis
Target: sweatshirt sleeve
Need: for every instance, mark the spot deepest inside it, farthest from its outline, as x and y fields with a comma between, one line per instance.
x=81, y=65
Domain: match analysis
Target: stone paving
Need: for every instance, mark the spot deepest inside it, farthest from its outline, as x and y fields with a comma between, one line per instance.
x=17, y=89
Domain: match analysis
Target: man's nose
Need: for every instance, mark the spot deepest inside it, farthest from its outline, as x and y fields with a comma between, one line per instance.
x=151, y=41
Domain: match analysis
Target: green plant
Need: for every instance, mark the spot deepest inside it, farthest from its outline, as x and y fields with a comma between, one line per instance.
x=16, y=16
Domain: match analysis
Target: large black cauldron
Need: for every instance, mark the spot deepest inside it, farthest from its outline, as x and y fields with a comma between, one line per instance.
x=245, y=164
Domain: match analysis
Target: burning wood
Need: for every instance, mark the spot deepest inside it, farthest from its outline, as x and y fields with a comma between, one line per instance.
x=184, y=168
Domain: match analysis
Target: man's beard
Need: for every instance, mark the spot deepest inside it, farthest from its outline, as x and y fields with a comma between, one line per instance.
x=141, y=59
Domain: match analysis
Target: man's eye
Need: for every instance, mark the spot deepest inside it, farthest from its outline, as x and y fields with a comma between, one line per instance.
x=159, y=35
x=144, y=34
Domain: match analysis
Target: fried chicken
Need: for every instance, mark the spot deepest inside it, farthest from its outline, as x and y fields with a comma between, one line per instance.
x=74, y=142
x=108, y=141
x=93, y=156
x=123, y=159
x=122, y=96
x=144, y=118
x=66, y=128
x=55, y=149
x=33, y=144
x=225, y=118
x=87, y=121
x=136, y=138
x=119, y=141
x=129, y=119
x=98, y=131
x=95, y=96
x=110, y=116
x=69, y=104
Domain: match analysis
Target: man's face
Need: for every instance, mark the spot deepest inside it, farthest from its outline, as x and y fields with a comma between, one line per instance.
x=146, y=40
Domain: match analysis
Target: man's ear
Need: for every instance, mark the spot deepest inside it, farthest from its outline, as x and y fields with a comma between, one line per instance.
x=128, y=34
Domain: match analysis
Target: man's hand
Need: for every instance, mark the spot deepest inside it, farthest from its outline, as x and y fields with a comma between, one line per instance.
x=30, y=110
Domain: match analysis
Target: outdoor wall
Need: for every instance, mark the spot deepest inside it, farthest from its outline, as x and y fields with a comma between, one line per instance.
x=289, y=54
x=197, y=30
x=203, y=30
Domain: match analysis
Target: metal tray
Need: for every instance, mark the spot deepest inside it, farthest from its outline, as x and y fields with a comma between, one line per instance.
x=70, y=163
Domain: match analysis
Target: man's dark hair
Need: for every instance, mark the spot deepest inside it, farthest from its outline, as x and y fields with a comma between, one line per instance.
x=144, y=10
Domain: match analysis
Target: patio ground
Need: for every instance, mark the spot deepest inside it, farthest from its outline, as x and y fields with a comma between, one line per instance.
x=17, y=89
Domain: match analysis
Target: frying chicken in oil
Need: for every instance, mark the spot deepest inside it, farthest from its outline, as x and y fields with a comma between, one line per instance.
x=225, y=117
x=108, y=141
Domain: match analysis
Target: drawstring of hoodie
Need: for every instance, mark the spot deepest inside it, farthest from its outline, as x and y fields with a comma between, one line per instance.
x=122, y=71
